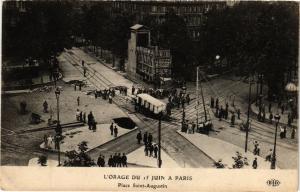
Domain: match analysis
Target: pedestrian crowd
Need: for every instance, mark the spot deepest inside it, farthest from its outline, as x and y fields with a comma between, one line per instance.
x=89, y=119
x=151, y=149
x=106, y=94
x=288, y=108
x=116, y=160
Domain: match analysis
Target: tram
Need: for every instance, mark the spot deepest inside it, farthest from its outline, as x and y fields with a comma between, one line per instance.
x=149, y=105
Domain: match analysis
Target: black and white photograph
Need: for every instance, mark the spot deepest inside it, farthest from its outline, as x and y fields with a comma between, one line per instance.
x=150, y=84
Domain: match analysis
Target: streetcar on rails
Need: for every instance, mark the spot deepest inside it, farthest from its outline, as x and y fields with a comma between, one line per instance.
x=150, y=106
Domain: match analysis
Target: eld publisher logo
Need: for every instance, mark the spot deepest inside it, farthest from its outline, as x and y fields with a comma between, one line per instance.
x=273, y=182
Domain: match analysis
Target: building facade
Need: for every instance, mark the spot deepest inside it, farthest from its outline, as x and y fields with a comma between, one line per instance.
x=194, y=13
x=146, y=62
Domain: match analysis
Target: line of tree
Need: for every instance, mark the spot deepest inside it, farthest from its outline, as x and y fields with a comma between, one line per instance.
x=251, y=37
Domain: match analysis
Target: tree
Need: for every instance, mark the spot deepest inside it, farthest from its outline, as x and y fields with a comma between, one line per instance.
x=79, y=159
x=255, y=38
x=173, y=34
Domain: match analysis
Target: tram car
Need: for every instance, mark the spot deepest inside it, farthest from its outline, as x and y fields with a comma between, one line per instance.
x=150, y=106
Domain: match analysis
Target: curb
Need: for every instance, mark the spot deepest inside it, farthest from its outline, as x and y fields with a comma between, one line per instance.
x=62, y=152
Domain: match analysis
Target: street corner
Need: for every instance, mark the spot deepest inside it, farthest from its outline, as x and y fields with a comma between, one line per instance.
x=94, y=138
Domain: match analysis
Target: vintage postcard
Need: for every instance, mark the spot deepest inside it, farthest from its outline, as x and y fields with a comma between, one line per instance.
x=149, y=95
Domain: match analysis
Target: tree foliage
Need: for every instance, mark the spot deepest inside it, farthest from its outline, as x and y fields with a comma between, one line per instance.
x=79, y=159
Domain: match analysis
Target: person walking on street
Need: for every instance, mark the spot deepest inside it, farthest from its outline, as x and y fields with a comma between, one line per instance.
x=115, y=160
x=293, y=133
x=289, y=120
x=150, y=138
x=94, y=126
x=193, y=127
x=78, y=100
x=256, y=150
x=46, y=141
x=239, y=113
x=116, y=131
x=110, y=161
x=111, y=129
x=75, y=85
x=269, y=156
x=281, y=133
x=217, y=111
x=232, y=119
x=84, y=71
x=188, y=99
x=45, y=105
x=78, y=115
x=221, y=113
x=254, y=164
x=155, y=150
x=217, y=102
x=103, y=161
x=124, y=160
x=151, y=148
x=139, y=137
x=146, y=150
x=284, y=132
x=271, y=117
x=96, y=94
x=100, y=161
x=90, y=120
x=119, y=160
x=110, y=99
x=145, y=138
x=84, y=117
x=264, y=116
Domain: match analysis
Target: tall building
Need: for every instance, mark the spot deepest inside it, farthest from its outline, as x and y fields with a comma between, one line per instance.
x=146, y=62
x=193, y=12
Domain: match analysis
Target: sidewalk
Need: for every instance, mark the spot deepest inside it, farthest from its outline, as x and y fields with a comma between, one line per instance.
x=283, y=117
x=138, y=157
x=69, y=71
x=218, y=149
x=95, y=139
x=109, y=65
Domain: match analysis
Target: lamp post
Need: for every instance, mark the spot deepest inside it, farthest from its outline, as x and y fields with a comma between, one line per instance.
x=159, y=161
x=58, y=126
x=248, y=115
x=273, y=161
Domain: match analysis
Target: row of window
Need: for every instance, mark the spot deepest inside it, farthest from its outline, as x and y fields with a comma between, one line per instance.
x=198, y=8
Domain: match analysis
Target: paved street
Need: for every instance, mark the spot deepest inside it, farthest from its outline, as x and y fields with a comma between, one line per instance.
x=224, y=89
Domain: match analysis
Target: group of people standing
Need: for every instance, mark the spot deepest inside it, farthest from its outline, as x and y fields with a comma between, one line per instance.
x=113, y=130
x=178, y=98
x=151, y=149
x=81, y=117
x=105, y=94
x=116, y=160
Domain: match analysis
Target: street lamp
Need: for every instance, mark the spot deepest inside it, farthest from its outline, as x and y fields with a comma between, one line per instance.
x=273, y=161
x=58, y=126
x=248, y=113
x=159, y=161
